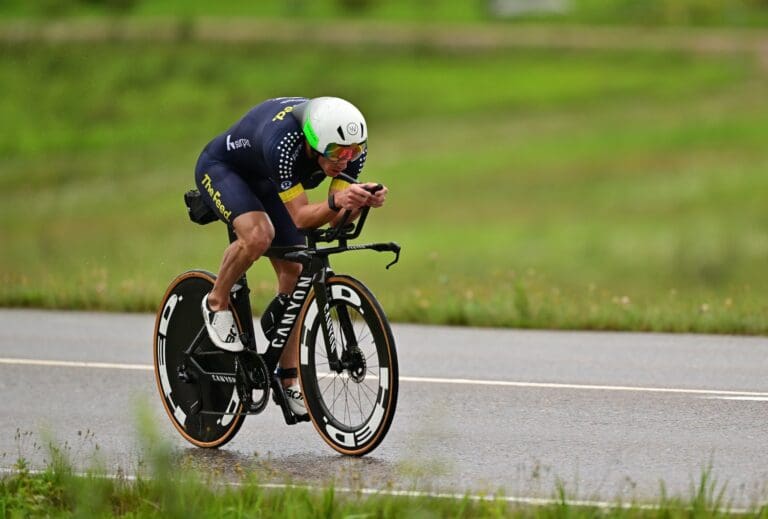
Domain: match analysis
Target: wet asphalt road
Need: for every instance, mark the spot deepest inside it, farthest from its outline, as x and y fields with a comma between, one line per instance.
x=607, y=415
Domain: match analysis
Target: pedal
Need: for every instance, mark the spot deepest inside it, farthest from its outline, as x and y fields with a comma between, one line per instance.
x=278, y=395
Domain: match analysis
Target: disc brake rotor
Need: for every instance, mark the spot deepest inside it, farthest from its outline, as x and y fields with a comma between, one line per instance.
x=357, y=365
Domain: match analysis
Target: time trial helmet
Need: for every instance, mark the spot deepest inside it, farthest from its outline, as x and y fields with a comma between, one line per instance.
x=335, y=128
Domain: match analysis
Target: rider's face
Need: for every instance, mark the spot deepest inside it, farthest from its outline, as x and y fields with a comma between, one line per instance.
x=332, y=168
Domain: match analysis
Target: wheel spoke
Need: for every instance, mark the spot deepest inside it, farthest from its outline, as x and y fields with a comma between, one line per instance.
x=359, y=406
x=362, y=333
x=374, y=393
x=329, y=385
x=335, y=395
x=365, y=386
x=351, y=395
x=347, y=410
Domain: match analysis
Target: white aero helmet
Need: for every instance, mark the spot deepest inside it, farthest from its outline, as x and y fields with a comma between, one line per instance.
x=335, y=128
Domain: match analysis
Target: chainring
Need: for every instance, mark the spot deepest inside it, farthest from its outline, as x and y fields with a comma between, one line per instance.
x=252, y=379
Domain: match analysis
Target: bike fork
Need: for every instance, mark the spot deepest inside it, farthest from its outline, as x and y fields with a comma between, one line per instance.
x=322, y=299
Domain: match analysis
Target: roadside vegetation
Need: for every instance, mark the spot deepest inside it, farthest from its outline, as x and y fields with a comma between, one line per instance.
x=170, y=490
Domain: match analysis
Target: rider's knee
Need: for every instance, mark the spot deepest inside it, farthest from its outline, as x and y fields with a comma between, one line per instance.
x=289, y=272
x=257, y=240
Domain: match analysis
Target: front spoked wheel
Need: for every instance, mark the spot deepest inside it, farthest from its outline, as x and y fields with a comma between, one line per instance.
x=352, y=403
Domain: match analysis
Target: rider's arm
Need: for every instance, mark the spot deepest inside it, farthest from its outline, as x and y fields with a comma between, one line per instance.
x=308, y=215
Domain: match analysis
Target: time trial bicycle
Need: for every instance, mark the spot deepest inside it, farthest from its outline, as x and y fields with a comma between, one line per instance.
x=348, y=368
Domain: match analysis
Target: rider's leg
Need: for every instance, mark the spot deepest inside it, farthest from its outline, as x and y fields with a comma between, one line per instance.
x=236, y=201
x=287, y=275
x=290, y=359
x=254, y=232
x=286, y=235
x=254, y=235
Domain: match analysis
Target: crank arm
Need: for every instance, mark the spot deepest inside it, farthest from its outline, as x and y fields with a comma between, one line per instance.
x=278, y=395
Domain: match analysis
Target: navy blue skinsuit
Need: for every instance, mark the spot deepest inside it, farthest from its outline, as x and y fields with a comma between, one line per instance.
x=261, y=163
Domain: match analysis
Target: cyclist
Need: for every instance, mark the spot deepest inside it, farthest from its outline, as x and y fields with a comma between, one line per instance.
x=254, y=176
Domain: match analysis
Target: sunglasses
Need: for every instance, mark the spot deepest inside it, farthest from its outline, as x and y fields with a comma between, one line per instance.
x=337, y=152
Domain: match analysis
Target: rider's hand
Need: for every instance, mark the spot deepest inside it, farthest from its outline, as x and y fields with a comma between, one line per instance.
x=353, y=197
x=377, y=199
x=357, y=196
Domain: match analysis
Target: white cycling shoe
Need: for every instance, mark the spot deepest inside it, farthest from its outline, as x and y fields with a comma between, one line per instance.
x=221, y=328
x=295, y=400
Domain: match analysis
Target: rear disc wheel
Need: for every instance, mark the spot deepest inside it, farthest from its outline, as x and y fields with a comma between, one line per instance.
x=204, y=412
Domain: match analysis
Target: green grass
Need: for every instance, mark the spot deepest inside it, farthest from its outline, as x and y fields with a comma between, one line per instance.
x=168, y=487
x=59, y=492
x=738, y=13
x=592, y=190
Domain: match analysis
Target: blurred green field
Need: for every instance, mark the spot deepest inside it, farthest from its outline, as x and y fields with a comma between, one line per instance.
x=598, y=190
x=735, y=13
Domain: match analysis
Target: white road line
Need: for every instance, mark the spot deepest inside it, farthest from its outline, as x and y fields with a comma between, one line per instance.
x=714, y=393
x=75, y=364
x=739, y=398
x=548, y=385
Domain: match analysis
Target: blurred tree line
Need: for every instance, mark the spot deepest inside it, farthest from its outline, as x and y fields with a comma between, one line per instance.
x=672, y=12
x=644, y=12
x=64, y=7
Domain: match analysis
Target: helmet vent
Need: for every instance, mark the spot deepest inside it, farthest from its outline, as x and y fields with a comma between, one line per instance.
x=341, y=133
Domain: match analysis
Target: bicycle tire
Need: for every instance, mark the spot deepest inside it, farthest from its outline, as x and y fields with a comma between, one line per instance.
x=374, y=385
x=206, y=418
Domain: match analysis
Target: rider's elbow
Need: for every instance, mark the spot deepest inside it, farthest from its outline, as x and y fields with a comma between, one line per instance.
x=304, y=222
